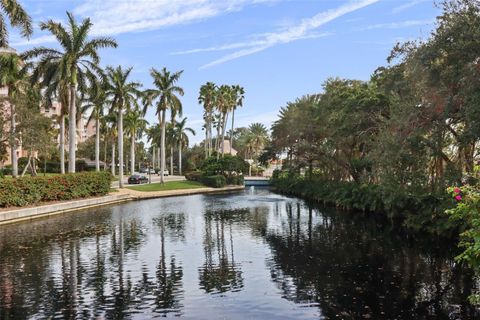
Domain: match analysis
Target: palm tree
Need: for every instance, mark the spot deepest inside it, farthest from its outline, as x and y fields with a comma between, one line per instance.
x=134, y=126
x=112, y=133
x=257, y=138
x=239, y=96
x=182, y=139
x=97, y=100
x=13, y=76
x=123, y=94
x=170, y=141
x=80, y=61
x=207, y=97
x=18, y=18
x=166, y=94
x=154, y=134
x=226, y=100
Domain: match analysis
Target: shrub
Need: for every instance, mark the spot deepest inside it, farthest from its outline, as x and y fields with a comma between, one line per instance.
x=235, y=180
x=31, y=190
x=217, y=181
x=194, y=176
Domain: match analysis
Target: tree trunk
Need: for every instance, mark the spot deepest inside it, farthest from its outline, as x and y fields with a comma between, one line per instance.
x=97, y=144
x=33, y=166
x=132, y=154
x=171, y=160
x=162, y=146
x=27, y=165
x=153, y=156
x=113, y=158
x=13, y=141
x=72, y=129
x=224, y=125
x=62, y=143
x=231, y=132
x=180, y=158
x=159, y=160
x=105, y=153
x=120, y=148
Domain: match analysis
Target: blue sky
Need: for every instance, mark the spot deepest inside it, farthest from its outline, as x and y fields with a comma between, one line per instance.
x=277, y=50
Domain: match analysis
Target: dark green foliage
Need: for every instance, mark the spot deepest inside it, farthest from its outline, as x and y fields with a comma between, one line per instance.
x=417, y=209
x=217, y=181
x=226, y=165
x=32, y=190
x=194, y=176
x=235, y=180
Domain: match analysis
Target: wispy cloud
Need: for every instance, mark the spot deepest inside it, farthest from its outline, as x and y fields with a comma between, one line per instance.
x=399, y=25
x=113, y=17
x=35, y=41
x=296, y=32
x=407, y=5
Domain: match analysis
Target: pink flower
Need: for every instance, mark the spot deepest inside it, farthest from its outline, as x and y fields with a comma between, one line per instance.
x=458, y=198
x=457, y=190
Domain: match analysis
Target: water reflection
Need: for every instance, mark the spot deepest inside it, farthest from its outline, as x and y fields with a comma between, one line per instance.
x=247, y=255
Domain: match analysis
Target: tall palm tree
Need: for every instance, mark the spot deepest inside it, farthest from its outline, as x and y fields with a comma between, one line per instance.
x=13, y=76
x=257, y=138
x=97, y=99
x=111, y=133
x=18, y=18
x=154, y=134
x=182, y=139
x=170, y=141
x=239, y=96
x=166, y=96
x=135, y=124
x=225, y=102
x=207, y=97
x=123, y=94
x=80, y=60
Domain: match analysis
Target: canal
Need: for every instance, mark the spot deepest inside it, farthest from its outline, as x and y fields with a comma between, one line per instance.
x=248, y=255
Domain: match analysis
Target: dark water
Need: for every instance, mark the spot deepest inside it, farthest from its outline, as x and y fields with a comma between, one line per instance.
x=252, y=255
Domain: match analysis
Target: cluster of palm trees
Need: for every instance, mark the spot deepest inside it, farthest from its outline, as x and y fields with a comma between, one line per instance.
x=218, y=102
x=72, y=76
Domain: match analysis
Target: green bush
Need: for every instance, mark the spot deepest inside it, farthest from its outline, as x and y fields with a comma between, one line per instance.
x=194, y=176
x=32, y=190
x=217, y=181
x=235, y=180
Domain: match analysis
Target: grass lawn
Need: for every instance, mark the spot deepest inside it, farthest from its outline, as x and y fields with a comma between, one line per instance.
x=171, y=185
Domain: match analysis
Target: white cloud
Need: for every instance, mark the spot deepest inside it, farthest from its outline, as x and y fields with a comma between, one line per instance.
x=407, y=5
x=296, y=32
x=35, y=41
x=112, y=17
x=399, y=25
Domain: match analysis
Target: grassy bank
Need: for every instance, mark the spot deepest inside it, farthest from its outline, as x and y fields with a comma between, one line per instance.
x=171, y=185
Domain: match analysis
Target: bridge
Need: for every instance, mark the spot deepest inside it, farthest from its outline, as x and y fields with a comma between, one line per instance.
x=257, y=181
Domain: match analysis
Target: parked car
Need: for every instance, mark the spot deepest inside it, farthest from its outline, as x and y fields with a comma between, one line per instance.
x=152, y=171
x=165, y=173
x=137, y=179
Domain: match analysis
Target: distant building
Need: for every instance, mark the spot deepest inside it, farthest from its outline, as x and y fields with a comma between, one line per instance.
x=227, y=149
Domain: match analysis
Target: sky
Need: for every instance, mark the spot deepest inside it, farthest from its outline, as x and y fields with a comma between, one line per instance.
x=278, y=50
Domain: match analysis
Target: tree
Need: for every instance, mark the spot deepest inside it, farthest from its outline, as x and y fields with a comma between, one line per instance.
x=239, y=96
x=182, y=139
x=135, y=124
x=166, y=97
x=257, y=138
x=18, y=18
x=13, y=76
x=123, y=95
x=80, y=60
x=207, y=97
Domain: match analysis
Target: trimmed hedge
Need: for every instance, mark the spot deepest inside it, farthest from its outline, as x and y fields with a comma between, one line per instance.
x=235, y=180
x=32, y=190
x=194, y=176
x=217, y=181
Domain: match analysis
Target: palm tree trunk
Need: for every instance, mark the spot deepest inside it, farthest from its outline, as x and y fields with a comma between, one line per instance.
x=97, y=144
x=120, y=148
x=13, y=141
x=104, y=153
x=224, y=125
x=171, y=160
x=159, y=160
x=180, y=158
x=72, y=129
x=162, y=146
x=231, y=132
x=62, y=143
x=132, y=154
x=113, y=158
x=153, y=155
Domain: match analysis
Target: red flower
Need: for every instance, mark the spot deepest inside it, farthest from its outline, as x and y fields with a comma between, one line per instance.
x=458, y=198
x=457, y=190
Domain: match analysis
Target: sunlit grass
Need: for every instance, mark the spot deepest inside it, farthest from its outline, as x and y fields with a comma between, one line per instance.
x=171, y=185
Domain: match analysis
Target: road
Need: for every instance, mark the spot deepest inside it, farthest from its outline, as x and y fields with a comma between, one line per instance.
x=155, y=178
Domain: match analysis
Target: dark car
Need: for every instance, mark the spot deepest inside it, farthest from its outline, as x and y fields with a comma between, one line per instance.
x=137, y=179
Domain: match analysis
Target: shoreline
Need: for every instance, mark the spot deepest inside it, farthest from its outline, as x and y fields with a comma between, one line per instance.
x=23, y=214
